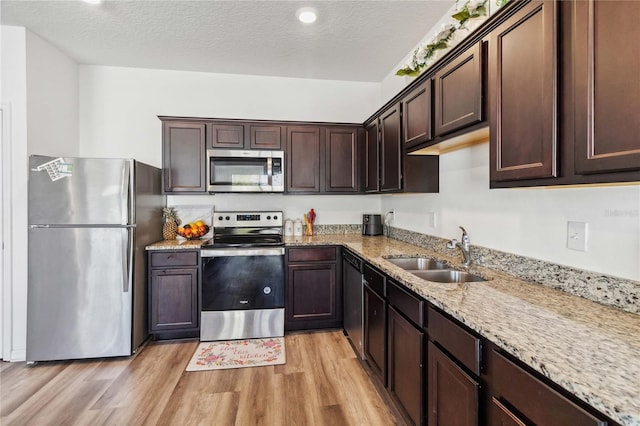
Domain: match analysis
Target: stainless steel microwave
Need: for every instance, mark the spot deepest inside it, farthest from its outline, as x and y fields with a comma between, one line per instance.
x=231, y=170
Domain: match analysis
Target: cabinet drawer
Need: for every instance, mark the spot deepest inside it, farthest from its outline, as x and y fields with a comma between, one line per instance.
x=464, y=346
x=174, y=258
x=316, y=254
x=538, y=402
x=408, y=304
x=375, y=280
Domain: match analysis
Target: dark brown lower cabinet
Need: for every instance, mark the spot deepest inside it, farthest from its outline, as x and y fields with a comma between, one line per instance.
x=453, y=395
x=405, y=364
x=375, y=333
x=518, y=397
x=314, y=288
x=173, y=294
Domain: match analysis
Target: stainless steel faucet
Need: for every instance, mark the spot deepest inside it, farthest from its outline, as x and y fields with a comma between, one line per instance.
x=463, y=246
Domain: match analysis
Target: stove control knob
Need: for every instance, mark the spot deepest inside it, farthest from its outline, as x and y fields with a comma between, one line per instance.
x=268, y=217
x=275, y=218
x=226, y=218
x=219, y=217
x=266, y=290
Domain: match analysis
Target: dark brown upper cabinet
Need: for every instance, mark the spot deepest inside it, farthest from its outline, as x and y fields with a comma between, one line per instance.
x=226, y=136
x=303, y=159
x=341, y=159
x=523, y=94
x=372, y=158
x=267, y=137
x=323, y=160
x=390, y=150
x=607, y=86
x=416, y=118
x=244, y=135
x=183, y=157
x=458, y=92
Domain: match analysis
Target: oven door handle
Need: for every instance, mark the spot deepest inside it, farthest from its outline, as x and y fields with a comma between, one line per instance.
x=234, y=252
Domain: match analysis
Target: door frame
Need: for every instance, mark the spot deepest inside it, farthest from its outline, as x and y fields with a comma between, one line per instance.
x=5, y=233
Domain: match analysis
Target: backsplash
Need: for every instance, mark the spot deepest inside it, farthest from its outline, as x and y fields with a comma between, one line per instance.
x=621, y=293
x=337, y=229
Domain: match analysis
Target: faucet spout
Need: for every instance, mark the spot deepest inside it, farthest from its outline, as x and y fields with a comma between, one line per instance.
x=464, y=247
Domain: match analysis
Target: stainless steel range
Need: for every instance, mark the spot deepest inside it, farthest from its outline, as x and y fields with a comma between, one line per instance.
x=243, y=277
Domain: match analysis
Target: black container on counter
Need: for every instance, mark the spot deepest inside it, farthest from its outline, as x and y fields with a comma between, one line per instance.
x=371, y=224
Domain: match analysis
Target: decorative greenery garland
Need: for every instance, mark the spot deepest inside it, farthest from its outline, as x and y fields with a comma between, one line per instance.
x=422, y=55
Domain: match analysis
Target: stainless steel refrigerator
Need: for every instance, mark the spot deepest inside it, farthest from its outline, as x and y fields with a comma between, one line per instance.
x=89, y=222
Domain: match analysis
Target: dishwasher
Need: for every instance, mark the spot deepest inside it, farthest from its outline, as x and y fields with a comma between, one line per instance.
x=352, y=268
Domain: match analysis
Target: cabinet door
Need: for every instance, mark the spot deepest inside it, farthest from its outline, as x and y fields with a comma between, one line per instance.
x=226, y=136
x=390, y=150
x=453, y=396
x=607, y=86
x=416, y=115
x=458, y=94
x=375, y=333
x=265, y=137
x=341, y=160
x=314, y=299
x=183, y=157
x=173, y=298
x=303, y=159
x=523, y=94
x=372, y=158
x=405, y=356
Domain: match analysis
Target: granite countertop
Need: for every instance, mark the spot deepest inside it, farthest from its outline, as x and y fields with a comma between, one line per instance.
x=591, y=350
x=180, y=244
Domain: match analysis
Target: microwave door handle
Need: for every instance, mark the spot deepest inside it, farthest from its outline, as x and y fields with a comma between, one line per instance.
x=270, y=170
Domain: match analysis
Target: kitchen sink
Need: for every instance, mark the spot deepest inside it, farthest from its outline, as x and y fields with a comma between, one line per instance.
x=447, y=276
x=417, y=263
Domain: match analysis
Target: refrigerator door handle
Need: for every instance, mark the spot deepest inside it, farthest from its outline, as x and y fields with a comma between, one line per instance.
x=124, y=194
x=127, y=258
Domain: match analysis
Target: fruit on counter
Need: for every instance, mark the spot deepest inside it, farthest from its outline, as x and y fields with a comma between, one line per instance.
x=171, y=222
x=193, y=230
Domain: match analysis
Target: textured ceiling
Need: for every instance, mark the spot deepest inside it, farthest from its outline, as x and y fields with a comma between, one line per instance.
x=351, y=40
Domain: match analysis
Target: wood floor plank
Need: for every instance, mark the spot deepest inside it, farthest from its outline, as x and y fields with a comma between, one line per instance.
x=59, y=400
x=322, y=383
x=19, y=382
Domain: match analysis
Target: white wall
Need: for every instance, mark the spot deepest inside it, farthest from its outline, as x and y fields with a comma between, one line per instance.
x=40, y=84
x=119, y=106
x=14, y=93
x=528, y=222
x=119, y=109
x=52, y=99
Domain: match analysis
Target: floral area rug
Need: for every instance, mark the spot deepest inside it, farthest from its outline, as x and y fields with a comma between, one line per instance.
x=237, y=354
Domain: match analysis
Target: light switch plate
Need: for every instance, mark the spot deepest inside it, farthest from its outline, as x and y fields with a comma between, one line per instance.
x=431, y=219
x=577, y=236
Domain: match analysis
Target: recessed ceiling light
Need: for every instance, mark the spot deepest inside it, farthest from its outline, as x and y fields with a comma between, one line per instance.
x=93, y=1
x=307, y=15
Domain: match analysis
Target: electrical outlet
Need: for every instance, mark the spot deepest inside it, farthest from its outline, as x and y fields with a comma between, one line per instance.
x=390, y=217
x=431, y=219
x=577, y=236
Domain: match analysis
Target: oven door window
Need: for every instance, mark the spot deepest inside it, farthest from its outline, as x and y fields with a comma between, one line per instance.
x=242, y=282
x=239, y=171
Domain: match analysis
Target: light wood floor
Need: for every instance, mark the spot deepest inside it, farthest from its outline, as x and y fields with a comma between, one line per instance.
x=322, y=383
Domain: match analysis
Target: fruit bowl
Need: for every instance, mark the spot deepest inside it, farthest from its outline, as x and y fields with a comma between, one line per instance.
x=192, y=231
